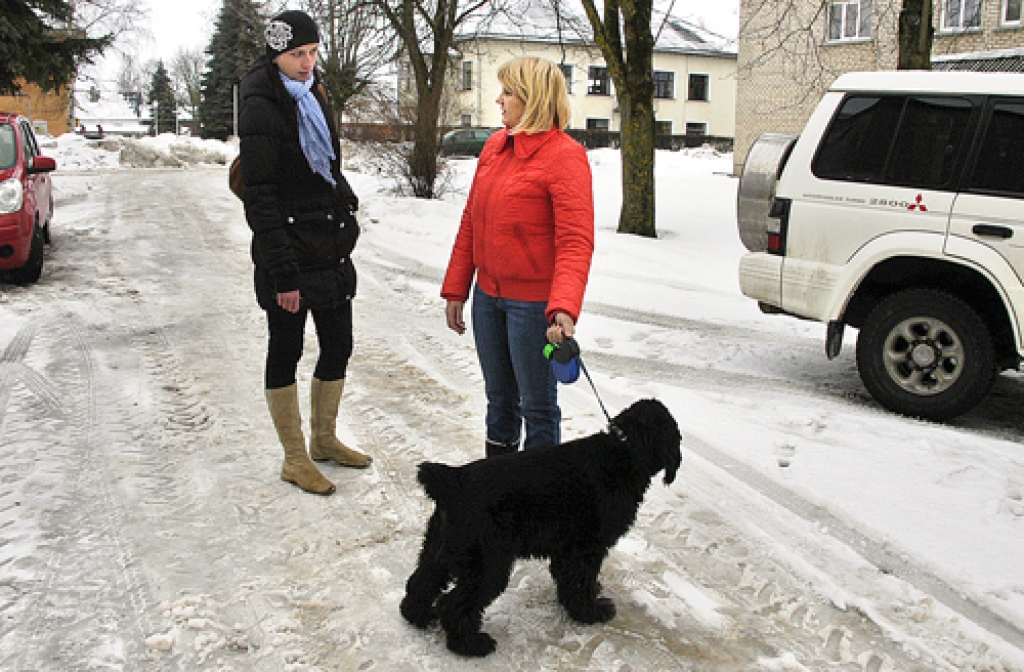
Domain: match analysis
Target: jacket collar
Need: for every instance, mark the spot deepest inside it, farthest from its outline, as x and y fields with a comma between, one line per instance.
x=526, y=145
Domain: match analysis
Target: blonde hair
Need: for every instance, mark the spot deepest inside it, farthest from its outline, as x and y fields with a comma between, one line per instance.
x=540, y=84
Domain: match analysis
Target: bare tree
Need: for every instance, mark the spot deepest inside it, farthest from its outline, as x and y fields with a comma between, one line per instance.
x=355, y=44
x=425, y=29
x=624, y=35
x=116, y=18
x=132, y=80
x=187, y=78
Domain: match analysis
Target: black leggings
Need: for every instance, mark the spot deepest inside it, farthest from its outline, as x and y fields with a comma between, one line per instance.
x=284, y=349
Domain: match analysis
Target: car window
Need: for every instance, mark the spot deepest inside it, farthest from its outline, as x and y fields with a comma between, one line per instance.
x=859, y=139
x=30, y=138
x=913, y=141
x=1000, y=165
x=8, y=147
x=930, y=142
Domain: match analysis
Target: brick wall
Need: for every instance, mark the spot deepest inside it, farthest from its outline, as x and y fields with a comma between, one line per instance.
x=51, y=108
x=785, y=63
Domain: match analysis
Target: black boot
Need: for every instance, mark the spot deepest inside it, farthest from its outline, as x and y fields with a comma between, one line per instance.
x=492, y=448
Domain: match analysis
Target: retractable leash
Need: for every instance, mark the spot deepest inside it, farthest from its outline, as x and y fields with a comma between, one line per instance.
x=567, y=363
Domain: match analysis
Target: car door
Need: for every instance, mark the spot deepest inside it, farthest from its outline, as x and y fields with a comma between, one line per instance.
x=886, y=167
x=37, y=185
x=990, y=209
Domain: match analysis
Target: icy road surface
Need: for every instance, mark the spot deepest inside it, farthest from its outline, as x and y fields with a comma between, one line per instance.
x=143, y=525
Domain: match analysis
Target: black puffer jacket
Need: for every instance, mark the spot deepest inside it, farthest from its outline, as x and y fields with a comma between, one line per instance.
x=303, y=229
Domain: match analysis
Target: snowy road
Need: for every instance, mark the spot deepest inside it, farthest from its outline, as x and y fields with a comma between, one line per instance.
x=143, y=525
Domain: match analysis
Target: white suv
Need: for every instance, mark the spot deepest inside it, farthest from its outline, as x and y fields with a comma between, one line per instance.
x=899, y=211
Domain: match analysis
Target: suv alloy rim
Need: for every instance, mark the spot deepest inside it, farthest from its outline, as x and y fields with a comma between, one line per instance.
x=923, y=355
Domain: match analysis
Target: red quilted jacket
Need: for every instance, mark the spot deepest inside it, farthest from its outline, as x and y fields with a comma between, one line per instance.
x=527, y=230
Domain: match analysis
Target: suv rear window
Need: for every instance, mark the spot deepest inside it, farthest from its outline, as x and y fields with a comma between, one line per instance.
x=909, y=141
x=8, y=147
x=1000, y=166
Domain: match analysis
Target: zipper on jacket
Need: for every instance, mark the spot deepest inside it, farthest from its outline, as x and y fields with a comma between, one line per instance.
x=491, y=195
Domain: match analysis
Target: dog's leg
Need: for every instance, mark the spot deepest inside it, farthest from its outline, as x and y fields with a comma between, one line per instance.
x=461, y=609
x=575, y=576
x=429, y=579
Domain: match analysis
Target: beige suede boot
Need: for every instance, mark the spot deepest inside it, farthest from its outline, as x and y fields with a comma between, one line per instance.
x=283, y=403
x=325, y=397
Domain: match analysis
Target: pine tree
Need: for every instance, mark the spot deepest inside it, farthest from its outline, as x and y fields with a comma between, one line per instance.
x=38, y=44
x=161, y=101
x=236, y=43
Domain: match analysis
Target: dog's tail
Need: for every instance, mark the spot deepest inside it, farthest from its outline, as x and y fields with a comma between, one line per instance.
x=440, y=481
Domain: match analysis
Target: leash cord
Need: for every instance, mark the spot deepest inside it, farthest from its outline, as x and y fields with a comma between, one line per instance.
x=611, y=425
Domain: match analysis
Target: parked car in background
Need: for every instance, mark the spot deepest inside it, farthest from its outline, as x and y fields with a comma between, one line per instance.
x=899, y=210
x=26, y=200
x=465, y=141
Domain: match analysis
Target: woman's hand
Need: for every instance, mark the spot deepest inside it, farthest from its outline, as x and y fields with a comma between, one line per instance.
x=561, y=325
x=453, y=315
x=290, y=301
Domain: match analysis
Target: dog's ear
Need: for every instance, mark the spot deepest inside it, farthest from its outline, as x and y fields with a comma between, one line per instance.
x=671, y=457
x=651, y=424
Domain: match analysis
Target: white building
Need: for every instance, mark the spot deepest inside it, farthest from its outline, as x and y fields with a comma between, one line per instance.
x=694, y=73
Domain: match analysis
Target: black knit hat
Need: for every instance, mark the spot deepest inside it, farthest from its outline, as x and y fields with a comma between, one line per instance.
x=289, y=30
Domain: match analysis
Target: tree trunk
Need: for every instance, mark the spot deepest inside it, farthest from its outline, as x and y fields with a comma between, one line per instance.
x=915, y=35
x=637, y=214
x=423, y=161
x=636, y=104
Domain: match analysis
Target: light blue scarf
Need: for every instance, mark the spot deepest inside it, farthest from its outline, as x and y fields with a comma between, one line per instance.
x=314, y=136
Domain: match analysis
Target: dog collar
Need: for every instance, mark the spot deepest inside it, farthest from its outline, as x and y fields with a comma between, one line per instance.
x=614, y=430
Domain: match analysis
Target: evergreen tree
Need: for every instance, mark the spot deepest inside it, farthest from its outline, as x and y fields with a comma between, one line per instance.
x=38, y=44
x=237, y=41
x=161, y=102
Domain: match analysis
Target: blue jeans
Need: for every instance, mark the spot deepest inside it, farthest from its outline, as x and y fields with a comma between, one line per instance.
x=520, y=385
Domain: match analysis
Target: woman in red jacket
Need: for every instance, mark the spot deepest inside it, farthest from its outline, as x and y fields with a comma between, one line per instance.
x=527, y=235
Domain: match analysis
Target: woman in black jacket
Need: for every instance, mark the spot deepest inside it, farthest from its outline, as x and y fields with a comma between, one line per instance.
x=299, y=207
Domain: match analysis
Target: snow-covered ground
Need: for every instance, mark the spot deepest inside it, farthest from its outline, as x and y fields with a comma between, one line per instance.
x=808, y=528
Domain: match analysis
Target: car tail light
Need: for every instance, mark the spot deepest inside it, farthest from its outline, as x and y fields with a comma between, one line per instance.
x=778, y=223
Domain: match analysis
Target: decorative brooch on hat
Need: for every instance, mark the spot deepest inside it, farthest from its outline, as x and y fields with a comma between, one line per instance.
x=279, y=34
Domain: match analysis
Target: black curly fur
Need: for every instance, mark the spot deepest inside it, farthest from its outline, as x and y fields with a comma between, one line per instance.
x=567, y=503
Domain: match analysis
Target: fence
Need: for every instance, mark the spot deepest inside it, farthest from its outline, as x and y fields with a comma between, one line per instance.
x=590, y=139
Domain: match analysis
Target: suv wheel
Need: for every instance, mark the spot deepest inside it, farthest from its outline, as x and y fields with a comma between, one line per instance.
x=925, y=353
x=33, y=268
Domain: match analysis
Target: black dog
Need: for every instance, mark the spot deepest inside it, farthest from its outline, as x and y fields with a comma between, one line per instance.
x=568, y=503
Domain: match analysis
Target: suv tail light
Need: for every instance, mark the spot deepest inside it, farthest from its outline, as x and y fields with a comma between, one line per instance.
x=778, y=222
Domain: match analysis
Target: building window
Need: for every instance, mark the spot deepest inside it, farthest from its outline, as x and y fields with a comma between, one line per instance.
x=849, y=20
x=466, y=120
x=698, y=88
x=664, y=84
x=962, y=14
x=663, y=128
x=598, y=83
x=696, y=128
x=567, y=72
x=594, y=124
x=1011, y=12
x=467, y=75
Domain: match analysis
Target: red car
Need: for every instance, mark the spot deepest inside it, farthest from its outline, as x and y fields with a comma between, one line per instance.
x=26, y=200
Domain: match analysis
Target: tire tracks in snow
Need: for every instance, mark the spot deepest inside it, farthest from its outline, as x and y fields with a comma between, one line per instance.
x=767, y=614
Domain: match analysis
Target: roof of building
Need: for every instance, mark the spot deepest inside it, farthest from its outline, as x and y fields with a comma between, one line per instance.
x=537, y=22
x=1001, y=60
